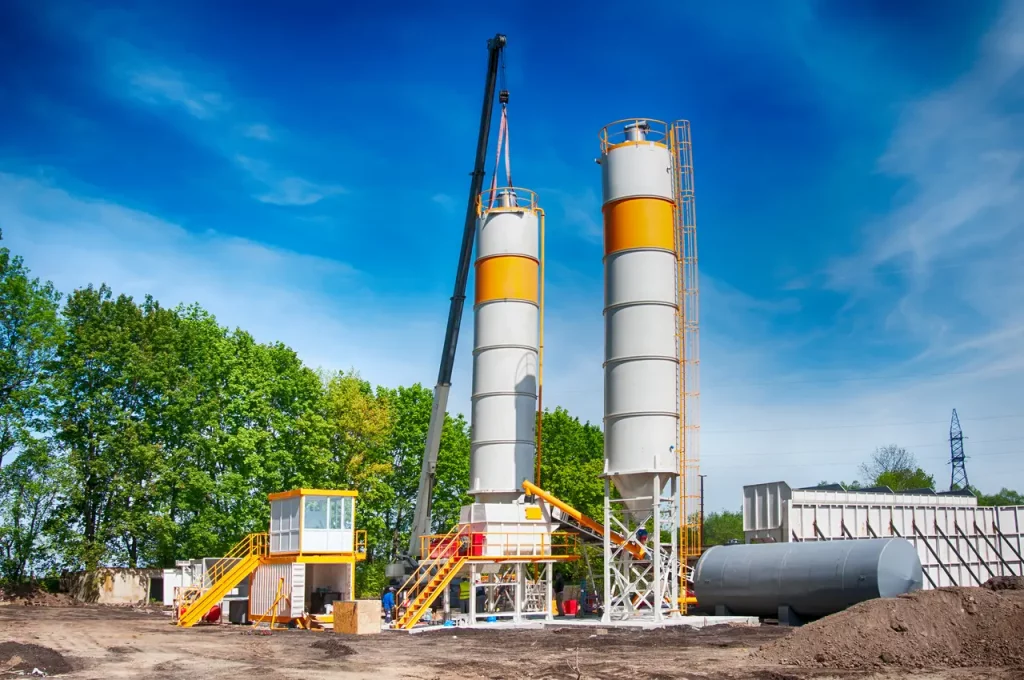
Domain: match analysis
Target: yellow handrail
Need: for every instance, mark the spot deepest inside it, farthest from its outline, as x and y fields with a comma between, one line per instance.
x=429, y=563
x=512, y=544
x=421, y=579
x=361, y=541
x=253, y=544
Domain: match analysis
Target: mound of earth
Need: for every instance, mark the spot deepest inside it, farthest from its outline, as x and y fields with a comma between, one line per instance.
x=20, y=658
x=1005, y=583
x=30, y=594
x=333, y=648
x=948, y=627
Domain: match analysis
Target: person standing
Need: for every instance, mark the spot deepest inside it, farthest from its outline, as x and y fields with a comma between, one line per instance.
x=559, y=586
x=388, y=603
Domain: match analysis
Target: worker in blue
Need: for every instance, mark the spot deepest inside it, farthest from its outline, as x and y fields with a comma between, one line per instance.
x=388, y=602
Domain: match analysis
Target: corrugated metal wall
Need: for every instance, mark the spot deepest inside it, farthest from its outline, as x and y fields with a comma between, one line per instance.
x=264, y=589
x=298, y=589
x=958, y=542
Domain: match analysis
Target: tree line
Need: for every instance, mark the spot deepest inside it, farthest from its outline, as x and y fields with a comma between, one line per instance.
x=132, y=434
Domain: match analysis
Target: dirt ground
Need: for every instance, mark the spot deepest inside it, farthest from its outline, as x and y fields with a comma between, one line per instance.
x=109, y=642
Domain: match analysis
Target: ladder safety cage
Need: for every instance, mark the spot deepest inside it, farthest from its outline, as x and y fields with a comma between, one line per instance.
x=688, y=349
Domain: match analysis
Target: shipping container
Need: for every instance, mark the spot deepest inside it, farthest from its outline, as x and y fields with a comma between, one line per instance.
x=958, y=542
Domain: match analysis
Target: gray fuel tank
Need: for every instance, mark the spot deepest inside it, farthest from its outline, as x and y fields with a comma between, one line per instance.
x=812, y=579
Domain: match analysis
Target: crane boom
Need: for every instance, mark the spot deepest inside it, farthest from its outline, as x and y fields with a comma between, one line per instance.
x=425, y=493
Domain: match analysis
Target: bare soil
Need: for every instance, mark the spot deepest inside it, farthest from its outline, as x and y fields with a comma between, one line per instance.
x=947, y=627
x=30, y=594
x=18, y=657
x=114, y=642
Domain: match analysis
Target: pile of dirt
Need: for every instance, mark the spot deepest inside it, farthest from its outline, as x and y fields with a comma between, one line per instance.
x=961, y=627
x=333, y=648
x=17, y=657
x=1005, y=583
x=31, y=595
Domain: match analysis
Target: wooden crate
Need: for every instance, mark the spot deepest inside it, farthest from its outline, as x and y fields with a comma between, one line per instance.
x=357, y=617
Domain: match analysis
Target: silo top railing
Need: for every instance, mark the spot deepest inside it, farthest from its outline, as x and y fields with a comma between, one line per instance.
x=491, y=200
x=617, y=134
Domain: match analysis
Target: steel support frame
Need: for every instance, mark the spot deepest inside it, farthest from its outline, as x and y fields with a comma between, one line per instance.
x=647, y=588
x=512, y=594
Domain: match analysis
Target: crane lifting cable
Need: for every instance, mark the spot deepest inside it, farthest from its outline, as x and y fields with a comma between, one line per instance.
x=503, y=141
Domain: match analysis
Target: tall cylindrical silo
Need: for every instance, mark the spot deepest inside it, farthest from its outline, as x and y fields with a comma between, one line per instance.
x=641, y=408
x=505, y=348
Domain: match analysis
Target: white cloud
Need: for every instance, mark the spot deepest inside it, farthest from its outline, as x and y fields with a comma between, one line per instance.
x=950, y=258
x=258, y=131
x=215, y=121
x=944, y=271
x=325, y=309
x=285, y=190
x=444, y=200
x=580, y=210
x=166, y=86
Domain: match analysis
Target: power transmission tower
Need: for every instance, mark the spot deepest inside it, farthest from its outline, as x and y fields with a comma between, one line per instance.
x=958, y=478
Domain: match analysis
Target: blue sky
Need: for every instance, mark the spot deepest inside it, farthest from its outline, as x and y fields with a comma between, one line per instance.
x=302, y=173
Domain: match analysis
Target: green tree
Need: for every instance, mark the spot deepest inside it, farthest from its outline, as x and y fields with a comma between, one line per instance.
x=1003, y=497
x=452, y=474
x=895, y=467
x=252, y=422
x=29, y=331
x=30, y=487
x=99, y=423
x=110, y=381
x=721, y=527
x=850, y=486
x=347, y=448
x=572, y=461
x=905, y=480
x=411, y=412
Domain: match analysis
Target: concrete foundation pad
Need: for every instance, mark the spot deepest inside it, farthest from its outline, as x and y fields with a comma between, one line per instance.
x=498, y=625
x=647, y=624
x=641, y=624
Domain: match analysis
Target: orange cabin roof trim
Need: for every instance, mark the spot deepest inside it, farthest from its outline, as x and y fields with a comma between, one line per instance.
x=311, y=492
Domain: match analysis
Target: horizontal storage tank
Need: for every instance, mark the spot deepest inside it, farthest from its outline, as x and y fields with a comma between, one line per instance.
x=811, y=579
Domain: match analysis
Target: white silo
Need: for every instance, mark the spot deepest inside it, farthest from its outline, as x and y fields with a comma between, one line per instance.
x=641, y=408
x=641, y=368
x=505, y=348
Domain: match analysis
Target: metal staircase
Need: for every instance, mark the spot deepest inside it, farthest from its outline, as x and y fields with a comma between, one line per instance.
x=432, y=576
x=221, y=578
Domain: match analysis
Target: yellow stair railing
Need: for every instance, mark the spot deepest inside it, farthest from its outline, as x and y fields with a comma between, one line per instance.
x=441, y=563
x=221, y=577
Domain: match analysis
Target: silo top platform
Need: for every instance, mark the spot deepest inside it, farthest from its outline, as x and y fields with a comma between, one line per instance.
x=317, y=521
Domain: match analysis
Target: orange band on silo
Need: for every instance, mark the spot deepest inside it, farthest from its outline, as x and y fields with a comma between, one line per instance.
x=506, y=277
x=638, y=223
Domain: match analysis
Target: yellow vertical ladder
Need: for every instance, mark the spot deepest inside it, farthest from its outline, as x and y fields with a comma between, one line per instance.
x=688, y=347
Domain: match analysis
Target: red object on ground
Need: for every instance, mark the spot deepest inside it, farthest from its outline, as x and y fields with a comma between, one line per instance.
x=213, y=616
x=570, y=607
